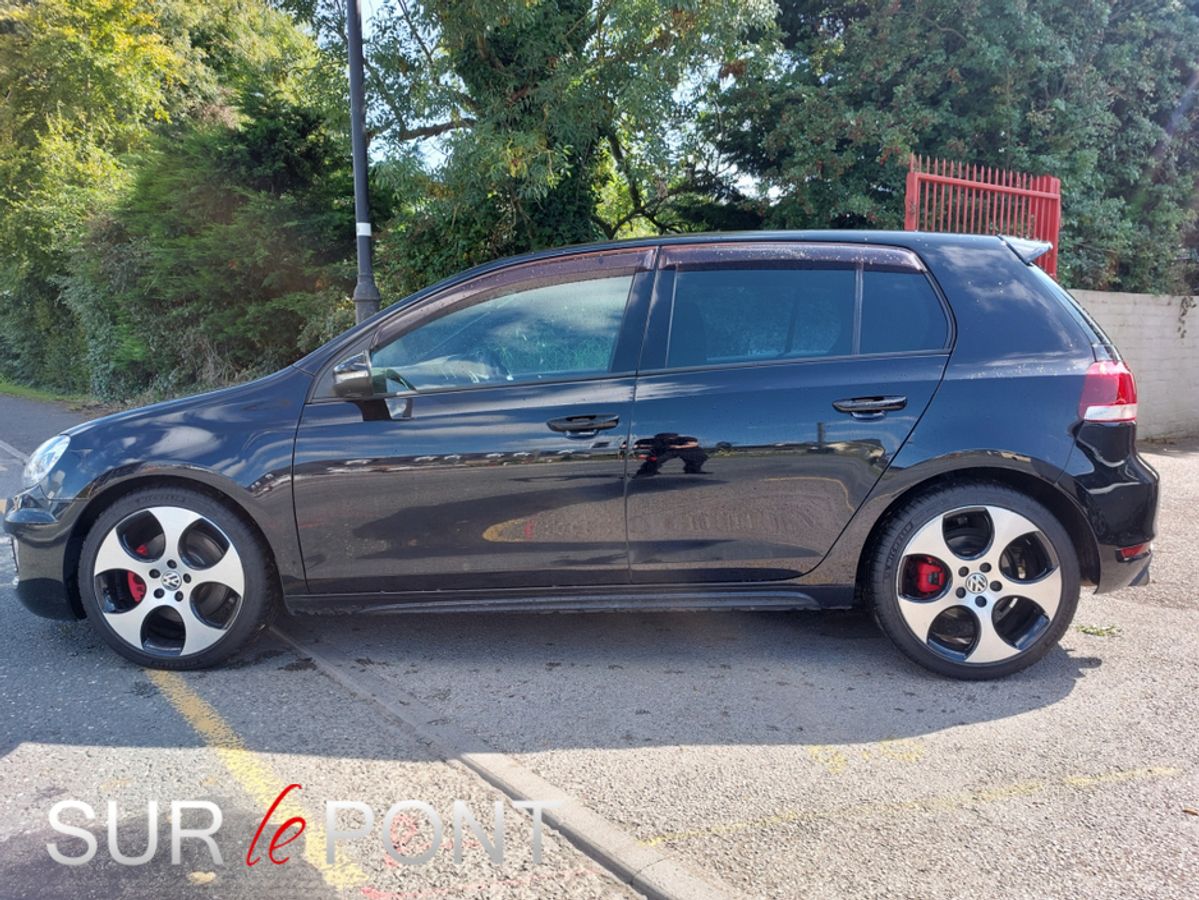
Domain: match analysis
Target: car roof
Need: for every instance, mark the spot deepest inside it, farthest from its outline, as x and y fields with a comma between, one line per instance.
x=909, y=239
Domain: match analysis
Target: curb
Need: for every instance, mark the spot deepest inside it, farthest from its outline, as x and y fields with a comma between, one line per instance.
x=645, y=869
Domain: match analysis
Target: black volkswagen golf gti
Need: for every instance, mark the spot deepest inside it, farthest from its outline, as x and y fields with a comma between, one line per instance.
x=923, y=424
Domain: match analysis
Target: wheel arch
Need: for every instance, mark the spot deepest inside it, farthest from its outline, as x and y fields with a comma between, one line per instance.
x=1049, y=495
x=115, y=491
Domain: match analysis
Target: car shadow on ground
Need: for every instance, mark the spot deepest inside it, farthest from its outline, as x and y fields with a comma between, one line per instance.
x=531, y=683
x=528, y=683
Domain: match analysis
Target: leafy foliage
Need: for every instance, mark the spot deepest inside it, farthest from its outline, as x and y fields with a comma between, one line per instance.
x=171, y=193
x=223, y=260
x=175, y=203
x=83, y=81
x=554, y=123
x=1099, y=93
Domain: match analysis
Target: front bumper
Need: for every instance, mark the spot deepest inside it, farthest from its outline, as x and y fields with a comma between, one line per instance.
x=41, y=530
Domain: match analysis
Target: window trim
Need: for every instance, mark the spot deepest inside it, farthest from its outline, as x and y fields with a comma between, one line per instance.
x=640, y=260
x=719, y=253
x=795, y=361
x=742, y=254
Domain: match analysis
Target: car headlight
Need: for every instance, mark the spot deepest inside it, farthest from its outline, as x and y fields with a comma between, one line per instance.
x=44, y=459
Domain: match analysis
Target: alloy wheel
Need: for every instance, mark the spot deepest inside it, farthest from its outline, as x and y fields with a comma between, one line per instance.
x=169, y=581
x=978, y=584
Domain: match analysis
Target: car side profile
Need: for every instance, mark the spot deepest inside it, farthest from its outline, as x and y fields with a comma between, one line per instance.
x=923, y=424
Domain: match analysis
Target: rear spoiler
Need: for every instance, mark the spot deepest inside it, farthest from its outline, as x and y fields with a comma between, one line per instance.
x=1027, y=250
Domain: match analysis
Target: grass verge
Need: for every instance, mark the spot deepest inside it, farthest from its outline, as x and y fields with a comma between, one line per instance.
x=32, y=393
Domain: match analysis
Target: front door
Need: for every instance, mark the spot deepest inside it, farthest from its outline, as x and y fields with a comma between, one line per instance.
x=496, y=456
x=778, y=381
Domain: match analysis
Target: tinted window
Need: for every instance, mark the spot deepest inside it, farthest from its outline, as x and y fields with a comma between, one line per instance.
x=544, y=332
x=747, y=314
x=900, y=311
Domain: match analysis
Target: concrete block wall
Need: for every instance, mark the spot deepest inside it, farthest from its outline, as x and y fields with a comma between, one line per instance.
x=1166, y=364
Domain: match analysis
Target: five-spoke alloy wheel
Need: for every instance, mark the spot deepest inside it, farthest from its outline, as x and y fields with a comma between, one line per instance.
x=173, y=579
x=975, y=581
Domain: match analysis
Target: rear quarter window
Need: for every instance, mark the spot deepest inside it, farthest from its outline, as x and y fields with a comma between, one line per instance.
x=901, y=313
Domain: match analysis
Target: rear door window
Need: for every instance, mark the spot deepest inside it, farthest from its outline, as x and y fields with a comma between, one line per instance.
x=738, y=315
x=737, y=304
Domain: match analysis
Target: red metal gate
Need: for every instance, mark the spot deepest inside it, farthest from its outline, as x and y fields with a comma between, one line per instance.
x=943, y=195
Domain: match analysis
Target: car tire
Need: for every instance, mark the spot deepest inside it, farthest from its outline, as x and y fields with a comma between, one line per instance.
x=172, y=578
x=967, y=604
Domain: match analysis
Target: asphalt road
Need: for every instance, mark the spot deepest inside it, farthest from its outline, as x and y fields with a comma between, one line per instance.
x=768, y=755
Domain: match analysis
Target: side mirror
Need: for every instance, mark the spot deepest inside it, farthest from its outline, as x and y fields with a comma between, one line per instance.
x=352, y=377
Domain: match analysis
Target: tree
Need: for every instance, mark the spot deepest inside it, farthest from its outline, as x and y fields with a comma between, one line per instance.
x=1098, y=93
x=225, y=259
x=507, y=125
x=83, y=81
x=137, y=135
x=174, y=197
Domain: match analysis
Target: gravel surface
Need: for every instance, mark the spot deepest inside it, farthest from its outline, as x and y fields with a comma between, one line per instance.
x=786, y=755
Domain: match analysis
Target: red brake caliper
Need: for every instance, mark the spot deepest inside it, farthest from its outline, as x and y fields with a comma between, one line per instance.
x=137, y=587
x=930, y=576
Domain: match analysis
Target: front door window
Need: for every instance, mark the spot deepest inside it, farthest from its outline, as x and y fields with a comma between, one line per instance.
x=546, y=332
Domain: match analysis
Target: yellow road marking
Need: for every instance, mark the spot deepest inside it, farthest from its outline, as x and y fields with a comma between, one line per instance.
x=256, y=778
x=836, y=759
x=925, y=804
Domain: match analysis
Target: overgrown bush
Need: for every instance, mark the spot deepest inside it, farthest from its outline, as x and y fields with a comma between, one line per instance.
x=226, y=258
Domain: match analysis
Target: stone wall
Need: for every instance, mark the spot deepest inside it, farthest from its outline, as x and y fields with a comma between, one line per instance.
x=1146, y=328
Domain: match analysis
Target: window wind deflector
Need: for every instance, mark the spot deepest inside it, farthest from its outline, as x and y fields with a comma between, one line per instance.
x=1028, y=251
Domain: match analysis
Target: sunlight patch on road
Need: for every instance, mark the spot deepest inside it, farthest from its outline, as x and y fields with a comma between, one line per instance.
x=252, y=773
x=936, y=803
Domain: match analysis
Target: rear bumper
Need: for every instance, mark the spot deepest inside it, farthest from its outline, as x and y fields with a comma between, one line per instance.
x=1117, y=492
x=40, y=531
x=1116, y=573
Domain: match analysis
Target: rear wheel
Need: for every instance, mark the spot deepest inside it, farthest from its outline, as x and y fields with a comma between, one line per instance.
x=172, y=579
x=974, y=581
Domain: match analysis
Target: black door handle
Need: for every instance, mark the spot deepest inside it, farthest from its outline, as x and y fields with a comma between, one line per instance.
x=869, y=407
x=584, y=424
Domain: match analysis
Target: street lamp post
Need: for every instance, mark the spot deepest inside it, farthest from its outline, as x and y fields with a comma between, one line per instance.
x=366, y=292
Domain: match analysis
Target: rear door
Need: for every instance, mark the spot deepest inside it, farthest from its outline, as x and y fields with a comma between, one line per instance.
x=777, y=382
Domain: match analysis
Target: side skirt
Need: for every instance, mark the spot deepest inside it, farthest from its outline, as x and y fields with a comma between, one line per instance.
x=630, y=599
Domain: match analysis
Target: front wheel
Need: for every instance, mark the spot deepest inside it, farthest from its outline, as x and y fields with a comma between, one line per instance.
x=974, y=581
x=172, y=579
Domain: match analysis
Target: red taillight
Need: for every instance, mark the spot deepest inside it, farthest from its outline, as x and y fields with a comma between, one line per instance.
x=1109, y=393
x=1127, y=553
